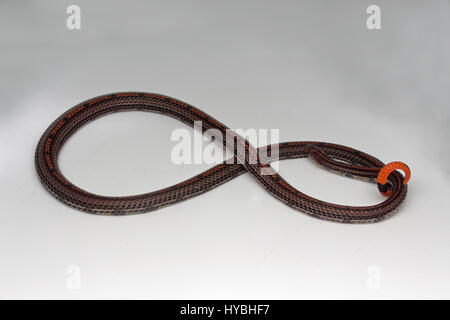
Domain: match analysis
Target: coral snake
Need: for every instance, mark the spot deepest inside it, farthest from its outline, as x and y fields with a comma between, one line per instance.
x=339, y=159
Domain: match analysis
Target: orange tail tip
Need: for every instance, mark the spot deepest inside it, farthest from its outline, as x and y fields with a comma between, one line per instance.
x=387, y=169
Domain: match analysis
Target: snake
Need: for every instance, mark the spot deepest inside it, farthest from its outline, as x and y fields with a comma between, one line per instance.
x=333, y=157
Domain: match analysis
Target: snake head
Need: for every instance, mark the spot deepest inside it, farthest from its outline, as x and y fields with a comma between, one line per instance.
x=383, y=175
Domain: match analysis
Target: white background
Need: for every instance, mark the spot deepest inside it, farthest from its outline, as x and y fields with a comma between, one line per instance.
x=311, y=69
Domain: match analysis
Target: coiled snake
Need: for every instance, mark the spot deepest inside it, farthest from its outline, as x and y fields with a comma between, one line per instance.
x=337, y=158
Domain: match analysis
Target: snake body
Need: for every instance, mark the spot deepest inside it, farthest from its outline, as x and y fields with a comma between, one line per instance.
x=337, y=158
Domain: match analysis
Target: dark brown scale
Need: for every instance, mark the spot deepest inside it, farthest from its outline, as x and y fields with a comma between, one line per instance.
x=336, y=158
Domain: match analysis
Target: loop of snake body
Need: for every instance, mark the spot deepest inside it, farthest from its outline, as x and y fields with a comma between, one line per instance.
x=339, y=159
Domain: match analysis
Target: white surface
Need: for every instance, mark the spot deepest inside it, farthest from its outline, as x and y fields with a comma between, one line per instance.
x=311, y=69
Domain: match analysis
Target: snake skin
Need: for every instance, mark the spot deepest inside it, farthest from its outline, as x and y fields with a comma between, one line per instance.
x=339, y=159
